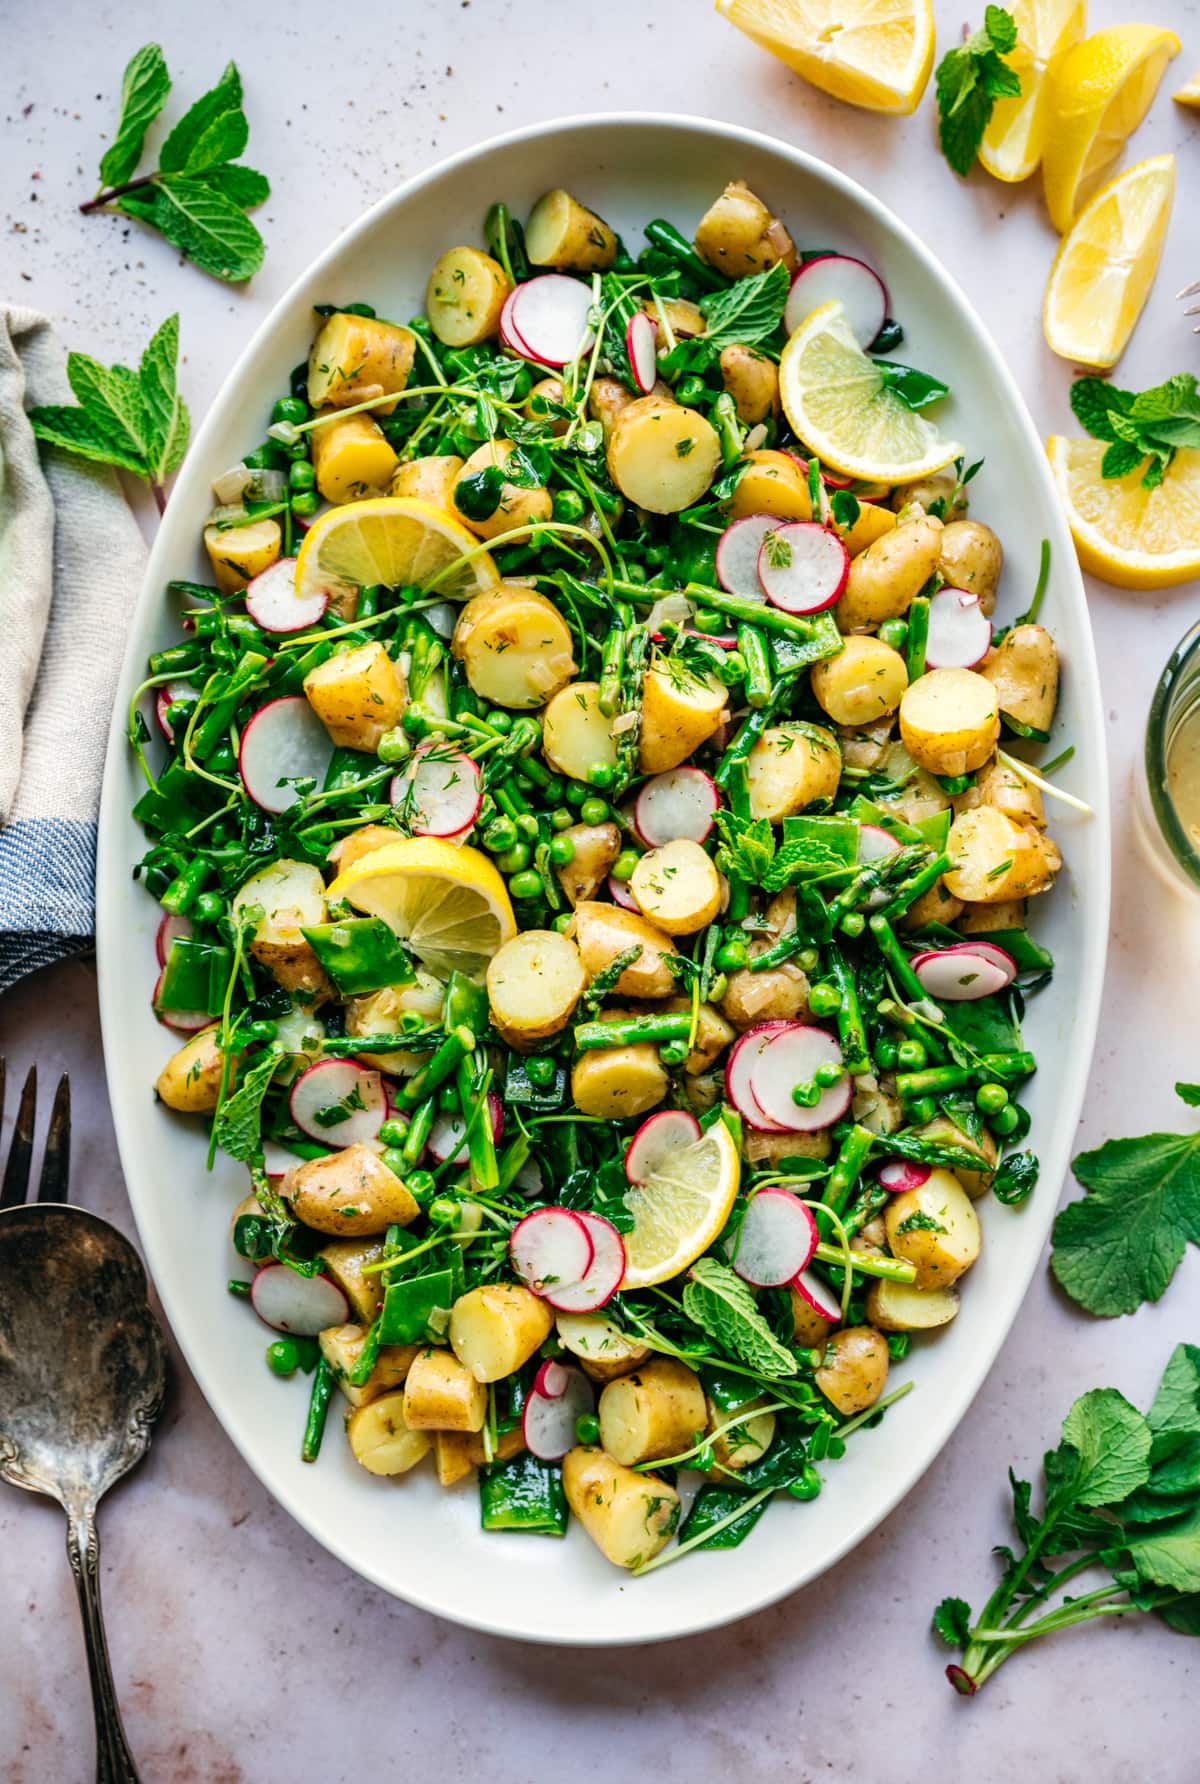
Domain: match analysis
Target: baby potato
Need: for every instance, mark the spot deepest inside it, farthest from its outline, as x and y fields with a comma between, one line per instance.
x=680, y=711
x=514, y=645
x=774, y=1150
x=739, y=235
x=677, y=887
x=985, y=919
x=994, y=860
x=456, y=1454
x=607, y=399
x=603, y=1349
x=935, y=1228
x=941, y=1131
x=342, y=1348
x=381, y=1437
x=464, y=297
x=357, y=843
x=855, y=1368
x=602, y=931
x=903, y=1307
x=239, y=554
x=564, y=234
x=537, y=404
x=873, y=522
x=495, y=1329
x=517, y=506
x=938, y=487
x=355, y=358
x=429, y=479
x=950, y=721
x=596, y=848
x=441, y=1394
x=781, y=992
x=534, y=982
x=685, y=317
x=191, y=1079
x=935, y=906
x=661, y=455
x=383, y=1012
x=745, y=1443
x=790, y=767
x=628, y=1516
x=292, y=897
x=1003, y=787
x=862, y=684
x=358, y=695
x=713, y=1034
x=618, y=1082
x=655, y=1412
x=752, y=381
x=1023, y=669
x=886, y=577
x=350, y=1193
x=352, y=458
x=345, y=1261
x=771, y=483
x=972, y=558
x=576, y=735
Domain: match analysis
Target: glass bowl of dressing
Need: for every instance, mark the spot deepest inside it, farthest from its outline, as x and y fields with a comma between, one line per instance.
x=1167, y=782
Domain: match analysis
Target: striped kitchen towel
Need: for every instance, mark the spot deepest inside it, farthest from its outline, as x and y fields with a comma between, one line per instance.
x=71, y=564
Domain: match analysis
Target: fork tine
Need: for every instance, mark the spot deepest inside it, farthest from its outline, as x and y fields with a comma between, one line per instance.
x=1188, y=290
x=56, y=1159
x=16, y=1175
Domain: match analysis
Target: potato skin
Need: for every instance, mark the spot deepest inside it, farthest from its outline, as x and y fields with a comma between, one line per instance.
x=983, y=919
x=596, y=848
x=662, y=456
x=617, y=1082
x=652, y=1413
x=902, y=1307
x=495, y=1329
x=441, y=1394
x=935, y=1228
x=772, y=483
x=357, y=695
x=808, y=1327
x=886, y=577
x=517, y=506
x=564, y=234
x=751, y=380
x=603, y=1350
x=854, y=1372
x=993, y=860
x=602, y=931
x=342, y=1346
x=465, y=296
x=381, y=1437
x=1023, y=669
x=790, y=767
x=355, y=358
x=779, y=992
x=942, y=1131
x=515, y=647
x=191, y=1079
x=862, y=684
x=972, y=558
x=629, y=1516
x=713, y=1035
x=939, y=486
x=349, y=1194
x=1003, y=787
x=744, y=1444
x=680, y=711
x=292, y=896
x=607, y=398
x=239, y=554
x=873, y=522
x=738, y=234
x=345, y=1261
x=351, y=457
x=534, y=982
x=950, y=721
x=773, y=1150
x=456, y=1454
x=430, y=479
x=357, y=843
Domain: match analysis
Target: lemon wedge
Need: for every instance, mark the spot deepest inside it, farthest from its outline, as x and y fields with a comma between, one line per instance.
x=1105, y=266
x=1097, y=95
x=1016, y=134
x=679, y=1212
x=1189, y=93
x=398, y=541
x=837, y=402
x=1124, y=533
x=445, y=902
x=873, y=53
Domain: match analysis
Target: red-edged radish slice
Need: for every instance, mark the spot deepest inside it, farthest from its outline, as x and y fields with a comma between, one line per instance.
x=549, y=1247
x=551, y=1379
x=961, y=974
x=992, y=951
x=284, y=742
x=273, y=604
x=901, y=1174
x=301, y=1305
x=548, y=1419
x=641, y=346
x=875, y=844
x=550, y=314
x=508, y=331
x=171, y=928
x=744, y=1055
x=834, y=479
x=802, y=566
x=166, y=698
x=819, y=1295
x=736, y=556
x=839, y=278
x=620, y=894
x=447, y=1136
x=439, y=791
x=338, y=1103
x=658, y=1137
x=791, y=1058
x=681, y=803
x=278, y=1161
x=777, y=1239
x=960, y=632
x=603, y=1277
x=182, y=1021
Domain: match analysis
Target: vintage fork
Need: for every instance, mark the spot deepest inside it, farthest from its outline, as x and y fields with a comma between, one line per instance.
x=56, y=1158
x=1192, y=290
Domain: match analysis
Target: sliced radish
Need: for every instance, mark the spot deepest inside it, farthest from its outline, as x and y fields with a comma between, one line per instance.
x=551, y=1379
x=791, y=1058
x=603, y=1276
x=901, y=1174
x=681, y=803
x=182, y=1021
x=654, y=1142
x=736, y=556
x=1001, y=956
x=439, y=791
x=171, y=928
x=960, y=632
x=834, y=479
x=273, y=604
x=508, y=332
x=839, y=278
x=802, y=566
x=777, y=1240
x=301, y=1305
x=819, y=1295
x=550, y=314
x=278, y=1161
x=744, y=1055
x=166, y=698
x=961, y=974
x=284, y=742
x=620, y=894
x=549, y=1247
x=641, y=346
x=529, y=1179
x=338, y=1103
x=447, y=1136
x=548, y=1419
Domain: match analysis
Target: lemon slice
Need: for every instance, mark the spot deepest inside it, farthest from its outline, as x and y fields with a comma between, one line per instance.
x=398, y=541
x=873, y=53
x=446, y=902
x=1105, y=267
x=1015, y=137
x=1098, y=94
x=1126, y=534
x=680, y=1210
x=1189, y=93
x=838, y=404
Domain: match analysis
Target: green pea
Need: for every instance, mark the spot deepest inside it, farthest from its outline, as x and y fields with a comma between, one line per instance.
x=824, y=1000
x=562, y=922
x=594, y=811
x=828, y=1074
x=499, y=720
x=515, y=859
x=208, y=908
x=393, y=747
x=500, y=835
x=561, y=818
x=899, y=1344
x=1006, y=1121
x=305, y=502
x=261, y=1033
x=853, y=923
x=587, y=1428
x=806, y=1096
x=393, y=1131
x=526, y=884
x=707, y=621
x=552, y=789
x=290, y=408
x=690, y=390
x=623, y=866
x=808, y=1485
x=601, y=775
x=527, y=824
x=991, y=1098
x=569, y=506
x=911, y=1056
x=576, y=793
x=443, y=1211
x=673, y=1052
x=393, y=1158
x=562, y=850
x=895, y=633
x=733, y=669
x=283, y=1357
x=921, y=1111
x=731, y=955
x=298, y=452
x=887, y=1055
x=301, y=474
x=808, y=960
x=422, y=1186
x=540, y=1070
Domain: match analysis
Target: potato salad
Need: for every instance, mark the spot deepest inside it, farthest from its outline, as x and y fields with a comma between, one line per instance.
x=593, y=808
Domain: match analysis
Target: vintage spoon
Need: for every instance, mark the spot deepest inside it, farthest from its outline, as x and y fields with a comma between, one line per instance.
x=82, y=1375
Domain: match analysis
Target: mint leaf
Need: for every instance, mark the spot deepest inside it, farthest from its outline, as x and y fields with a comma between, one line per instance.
x=74, y=430
x=747, y=846
x=968, y=82
x=1094, y=402
x=189, y=132
x=112, y=396
x=915, y=389
x=1121, y=458
x=144, y=89
x=166, y=416
x=1190, y=1094
x=1001, y=28
x=719, y=1302
x=224, y=140
x=1121, y=1244
x=133, y=420
x=237, y=1126
x=243, y=186
x=749, y=311
x=1149, y=424
x=952, y=1622
x=202, y=223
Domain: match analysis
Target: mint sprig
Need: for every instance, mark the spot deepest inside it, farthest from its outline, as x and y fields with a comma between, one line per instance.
x=720, y=1304
x=1139, y=425
x=199, y=194
x=969, y=80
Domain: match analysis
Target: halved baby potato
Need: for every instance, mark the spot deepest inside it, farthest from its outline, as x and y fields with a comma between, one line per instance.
x=653, y=1413
x=596, y=847
x=357, y=694
x=680, y=711
x=950, y=721
x=381, y=1437
x=772, y=483
x=239, y=554
x=935, y=1227
x=441, y=1394
x=903, y=1307
x=291, y=895
x=576, y=735
x=430, y=479
x=739, y=235
x=515, y=646
x=863, y=683
x=603, y=1349
x=465, y=296
x=518, y=504
x=602, y=931
x=534, y=982
x=349, y=1193
x=661, y=455
x=563, y=233
x=854, y=1370
x=342, y=1348
x=994, y=860
x=355, y=358
x=1023, y=669
x=495, y=1328
x=677, y=887
x=615, y=1083
x=629, y=1516
x=790, y=767
x=352, y=458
